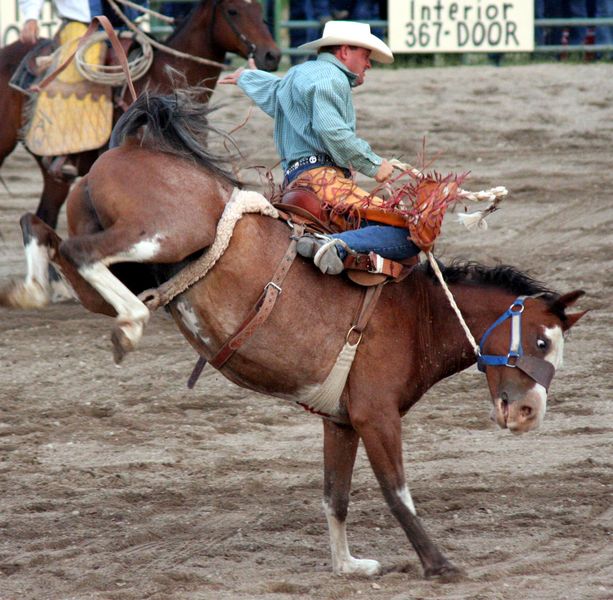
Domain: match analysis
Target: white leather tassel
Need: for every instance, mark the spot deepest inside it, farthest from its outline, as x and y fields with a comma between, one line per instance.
x=473, y=221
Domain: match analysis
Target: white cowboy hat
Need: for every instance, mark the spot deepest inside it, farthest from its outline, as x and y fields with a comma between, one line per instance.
x=339, y=33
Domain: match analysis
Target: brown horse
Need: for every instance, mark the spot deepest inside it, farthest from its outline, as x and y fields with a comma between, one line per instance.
x=211, y=29
x=166, y=210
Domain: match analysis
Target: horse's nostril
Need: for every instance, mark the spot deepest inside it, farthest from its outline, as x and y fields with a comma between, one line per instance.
x=504, y=397
x=526, y=412
x=272, y=58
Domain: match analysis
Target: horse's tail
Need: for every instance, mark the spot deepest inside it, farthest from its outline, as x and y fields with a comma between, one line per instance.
x=176, y=124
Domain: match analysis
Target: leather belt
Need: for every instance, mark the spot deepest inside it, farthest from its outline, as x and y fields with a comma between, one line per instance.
x=311, y=162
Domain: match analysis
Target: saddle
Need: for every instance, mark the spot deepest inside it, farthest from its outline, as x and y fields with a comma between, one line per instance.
x=303, y=206
x=30, y=72
x=71, y=114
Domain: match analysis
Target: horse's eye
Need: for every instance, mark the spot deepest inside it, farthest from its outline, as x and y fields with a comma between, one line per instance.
x=232, y=12
x=541, y=343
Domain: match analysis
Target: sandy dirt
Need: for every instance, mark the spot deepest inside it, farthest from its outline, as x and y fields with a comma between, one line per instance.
x=120, y=484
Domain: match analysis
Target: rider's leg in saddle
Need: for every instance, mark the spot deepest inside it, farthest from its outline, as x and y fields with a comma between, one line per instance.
x=328, y=252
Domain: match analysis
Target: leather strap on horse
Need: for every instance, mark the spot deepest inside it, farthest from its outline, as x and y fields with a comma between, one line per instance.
x=373, y=263
x=258, y=314
x=367, y=308
x=119, y=51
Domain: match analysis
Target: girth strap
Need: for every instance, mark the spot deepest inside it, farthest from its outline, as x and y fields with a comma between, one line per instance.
x=258, y=314
x=367, y=308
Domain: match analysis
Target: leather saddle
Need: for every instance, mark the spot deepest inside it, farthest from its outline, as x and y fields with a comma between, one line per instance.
x=30, y=72
x=303, y=206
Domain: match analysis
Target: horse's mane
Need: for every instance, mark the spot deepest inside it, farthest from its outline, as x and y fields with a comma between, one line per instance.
x=177, y=124
x=181, y=23
x=500, y=276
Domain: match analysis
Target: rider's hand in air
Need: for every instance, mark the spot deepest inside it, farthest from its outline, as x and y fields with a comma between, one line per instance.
x=29, y=32
x=232, y=78
x=384, y=172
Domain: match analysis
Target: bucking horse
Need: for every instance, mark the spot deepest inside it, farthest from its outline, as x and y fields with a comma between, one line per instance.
x=177, y=208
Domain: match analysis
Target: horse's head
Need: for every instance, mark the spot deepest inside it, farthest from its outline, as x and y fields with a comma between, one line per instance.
x=239, y=27
x=520, y=353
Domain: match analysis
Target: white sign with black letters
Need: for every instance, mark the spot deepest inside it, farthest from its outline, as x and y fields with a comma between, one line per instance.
x=461, y=25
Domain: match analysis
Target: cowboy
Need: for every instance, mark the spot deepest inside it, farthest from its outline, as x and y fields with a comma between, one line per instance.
x=55, y=130
x=315, y=135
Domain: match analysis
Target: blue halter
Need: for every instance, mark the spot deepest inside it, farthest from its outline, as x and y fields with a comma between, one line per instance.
x=515, y=348
x=535, y=367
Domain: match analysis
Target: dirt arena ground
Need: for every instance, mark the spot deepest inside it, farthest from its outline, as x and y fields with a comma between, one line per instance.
x=119, y=484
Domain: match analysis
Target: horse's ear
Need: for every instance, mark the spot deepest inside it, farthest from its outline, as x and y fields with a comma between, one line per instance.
x=569, y=299
x=572, y=319
x=563, y=302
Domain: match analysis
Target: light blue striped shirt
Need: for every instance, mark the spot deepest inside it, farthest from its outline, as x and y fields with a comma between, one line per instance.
x=313, y=112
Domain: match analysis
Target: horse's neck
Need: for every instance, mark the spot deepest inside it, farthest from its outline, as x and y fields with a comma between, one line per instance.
x=196, y=39
x=442, y=341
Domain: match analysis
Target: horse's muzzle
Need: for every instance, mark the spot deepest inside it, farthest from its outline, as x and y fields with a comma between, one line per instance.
x=522, y=414
x=267, y=60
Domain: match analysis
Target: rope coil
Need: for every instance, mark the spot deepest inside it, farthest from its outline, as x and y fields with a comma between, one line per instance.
x=113, y=75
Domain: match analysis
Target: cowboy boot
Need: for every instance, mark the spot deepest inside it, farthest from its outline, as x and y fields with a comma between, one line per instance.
x=324, y=252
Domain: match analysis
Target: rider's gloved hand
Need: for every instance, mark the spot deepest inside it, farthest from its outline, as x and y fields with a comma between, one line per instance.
x=385, y=170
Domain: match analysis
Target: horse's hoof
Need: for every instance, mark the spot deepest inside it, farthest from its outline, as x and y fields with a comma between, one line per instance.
x=359, y=566
x=121, y=344
x=61, y=291
x=446, y=573
x=19, y=295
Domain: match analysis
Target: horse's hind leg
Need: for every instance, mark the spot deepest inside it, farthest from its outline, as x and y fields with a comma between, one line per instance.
x=42, y=246
x=91, y=255
x=340, y=446
x=380, y=430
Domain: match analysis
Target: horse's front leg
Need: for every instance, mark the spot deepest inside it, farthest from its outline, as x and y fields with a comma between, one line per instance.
x=55, y=191
x=340, y=446
x=380, y=431
x=42, y=282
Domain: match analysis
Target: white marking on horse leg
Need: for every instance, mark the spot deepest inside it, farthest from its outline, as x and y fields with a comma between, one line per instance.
x=142, y=251
x=342, y=561
x=34, y=291
x=37, y=263
x=406, y=499
x=132, y=314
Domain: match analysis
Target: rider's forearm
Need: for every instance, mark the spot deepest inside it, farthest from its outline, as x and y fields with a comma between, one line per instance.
x=261, y=87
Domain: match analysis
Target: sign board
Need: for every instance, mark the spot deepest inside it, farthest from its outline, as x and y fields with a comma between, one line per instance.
x=461, y=25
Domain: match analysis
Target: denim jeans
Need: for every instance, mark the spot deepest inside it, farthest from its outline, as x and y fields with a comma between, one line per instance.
x=387, y=241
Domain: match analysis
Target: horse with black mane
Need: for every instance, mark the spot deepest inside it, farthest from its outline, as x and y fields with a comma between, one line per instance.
x=209, y=31
x=165, y=215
